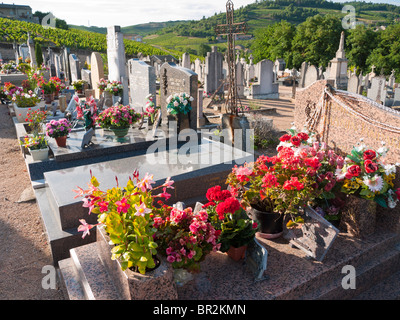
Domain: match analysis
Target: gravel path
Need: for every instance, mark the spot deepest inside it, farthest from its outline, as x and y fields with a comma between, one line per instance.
x=24, y=250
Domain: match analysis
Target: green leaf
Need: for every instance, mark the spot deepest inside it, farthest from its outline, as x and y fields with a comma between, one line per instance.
x=381, y=201
x=136, y=247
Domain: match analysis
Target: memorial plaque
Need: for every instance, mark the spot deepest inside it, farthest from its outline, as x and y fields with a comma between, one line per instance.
x=87, y=139
x=315, y=236
x=256, y=260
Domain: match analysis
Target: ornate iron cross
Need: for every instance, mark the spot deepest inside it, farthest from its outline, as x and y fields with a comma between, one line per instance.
x=230, y=29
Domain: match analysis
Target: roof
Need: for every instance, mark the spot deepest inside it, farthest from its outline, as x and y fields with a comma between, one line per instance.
x=10, y=6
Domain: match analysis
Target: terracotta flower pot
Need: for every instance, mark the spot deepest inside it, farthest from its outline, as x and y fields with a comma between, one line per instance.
x=237, y=253
x=61, y=141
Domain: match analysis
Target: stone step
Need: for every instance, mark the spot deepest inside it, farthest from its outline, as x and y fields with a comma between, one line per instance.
x=368, y=274
x=88, y=275
x=387, y=289
x=70, y=280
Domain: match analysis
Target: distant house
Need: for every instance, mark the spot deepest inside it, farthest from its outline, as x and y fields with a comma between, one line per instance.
x=134, y=37
x=17, y=12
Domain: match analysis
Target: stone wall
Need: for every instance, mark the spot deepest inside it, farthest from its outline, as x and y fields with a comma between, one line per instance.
x=343, y=122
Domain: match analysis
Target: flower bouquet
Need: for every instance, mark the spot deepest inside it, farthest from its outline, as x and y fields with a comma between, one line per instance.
x=58, y=84
x=102, y=85
x=234, y=228
x=179, y=103
x=114, y=87
x=151, y=108
x=87, y=111
x=127, y=215
x=118, y=117
x=37, y=146
x=36, y=119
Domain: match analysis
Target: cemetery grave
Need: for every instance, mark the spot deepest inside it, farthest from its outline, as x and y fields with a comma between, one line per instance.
x=163, y=147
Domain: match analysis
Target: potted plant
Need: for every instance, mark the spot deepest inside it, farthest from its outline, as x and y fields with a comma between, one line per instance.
x=102, y=85
x=87, y=111
x=184, y=237
x=118, y=119
x=114, y=87
x=35, y=120
x=234, y=228
x=367, y=182
x=59, y=130
x=48, y=90
x=58, y=84
x=178, y=109
x=127, y=215
x=78, y=85
x=24, y=103
x=37, y=146
x=272, y=187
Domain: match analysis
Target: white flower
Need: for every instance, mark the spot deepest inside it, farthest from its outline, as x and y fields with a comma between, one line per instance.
x=169, y=99
x=185, y=102
x=374, y=184
x=382, y=151
x=361, y=148
x=339, y=173
x=176, y=103
x=191, y=99
x=389, y=169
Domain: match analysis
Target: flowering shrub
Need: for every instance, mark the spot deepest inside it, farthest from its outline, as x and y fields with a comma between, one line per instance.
x=35, y=142
x=365, y=175
x=87, y=111
x=78, y=84
x=114, y=87
x=234, y=227
x=127, y=215
x=184, y=236
x=25, y=100
x=118, y=117
x=58, y=128
x=179, y=103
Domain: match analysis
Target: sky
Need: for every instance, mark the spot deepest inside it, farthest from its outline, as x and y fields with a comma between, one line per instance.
x=105, y=13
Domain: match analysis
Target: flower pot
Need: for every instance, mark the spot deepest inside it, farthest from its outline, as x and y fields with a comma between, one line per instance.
x=120, y=132
x=39, y=154
x=48, y=98
x=237, y=253
x=21, y=113
x=61, y=141
x=271, y=223
x=358, y=216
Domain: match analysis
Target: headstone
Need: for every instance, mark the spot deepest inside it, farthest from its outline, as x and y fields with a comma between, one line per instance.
x=240, y=79
x=31, y=48
x=142, y=82
x=175, y=79
x=186, y=60
x=86, y=75
x=198, y=69
x=87, y=138
x=23, y=52
x=338, y=71
x=213, y=71
x=396, y=100
x=57, y=65
x=97, y=72
x=265, y=88
x=303, y=71
x=75, y=67
x=392, y=79
x=256, y=260
x=315, y=236
x=250, y=72
x=65, y=64
x=116, y=59
x=377, y=92
x=311, y=76
x=354, y=84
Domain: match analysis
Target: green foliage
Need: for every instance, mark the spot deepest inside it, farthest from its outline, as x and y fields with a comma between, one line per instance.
x=39, y=54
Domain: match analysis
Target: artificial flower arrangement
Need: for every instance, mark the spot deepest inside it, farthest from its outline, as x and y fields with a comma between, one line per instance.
x=102, y=85
x=179, y=103
x=114, y=87
x=36, y=119
x=185, y=237
x=78, y=84
x=365, y=174
x=58, y=128
x=118, y=117
x=58, y=84
x=151, y=108
x=127, y=214
x=34, y=142
x=25, y=99
x=9, y=90
x=87, y=111
x=8, y=67
x=48, y=87
x=234, y=227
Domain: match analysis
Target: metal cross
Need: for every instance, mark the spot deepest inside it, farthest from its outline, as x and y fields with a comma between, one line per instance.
x=230, y=29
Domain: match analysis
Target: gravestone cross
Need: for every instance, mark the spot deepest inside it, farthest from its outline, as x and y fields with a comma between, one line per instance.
x=231, y=29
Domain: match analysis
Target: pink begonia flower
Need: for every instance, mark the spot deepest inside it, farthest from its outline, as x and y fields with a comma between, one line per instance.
x=141, y=210
x=146, y=183
x=122, y=206
x=85, y=227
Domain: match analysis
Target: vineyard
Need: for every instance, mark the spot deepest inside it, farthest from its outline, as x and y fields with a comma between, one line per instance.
x=16, y=31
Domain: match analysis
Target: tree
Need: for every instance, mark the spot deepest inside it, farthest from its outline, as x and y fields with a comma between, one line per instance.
x=317, y=40
x=273, y=42
x=361, y=41
x=203, y=49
